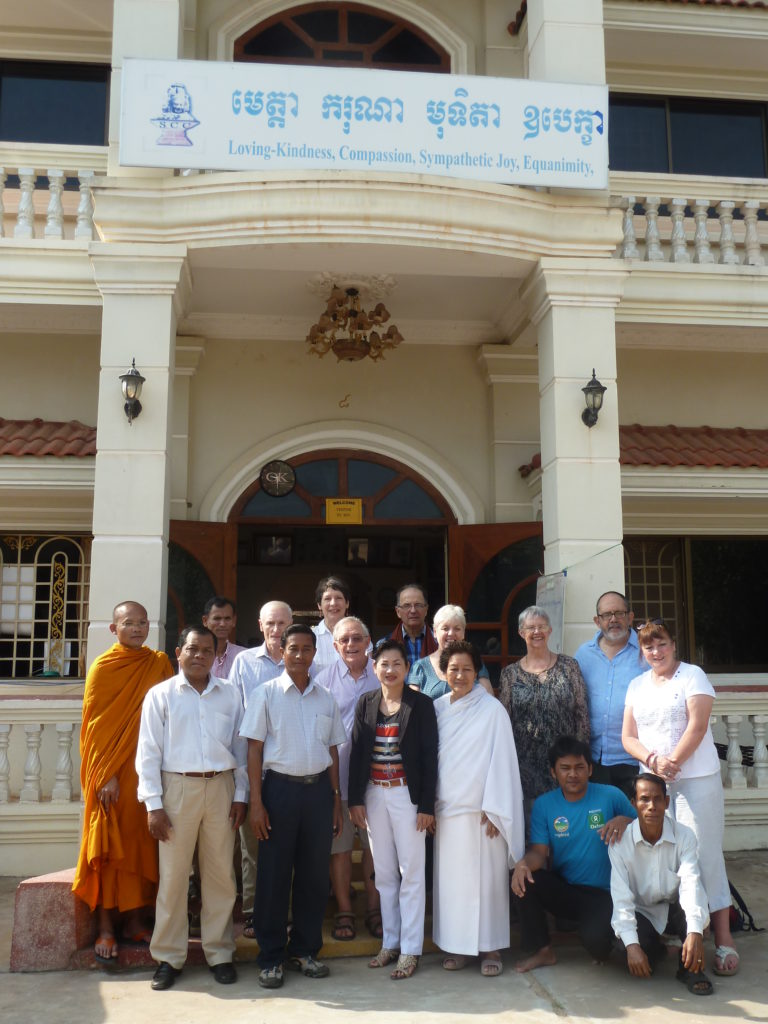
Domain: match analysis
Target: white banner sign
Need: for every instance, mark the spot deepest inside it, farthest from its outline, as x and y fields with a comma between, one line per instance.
x=243, y=117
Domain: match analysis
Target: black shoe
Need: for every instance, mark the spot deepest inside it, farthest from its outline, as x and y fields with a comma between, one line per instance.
x=225, y=974
x=165, y=977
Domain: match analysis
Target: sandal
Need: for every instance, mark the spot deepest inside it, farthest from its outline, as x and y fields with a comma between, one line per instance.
x=373, y=923
x=491, y=967
x=454, y=962
x=384, y=957
x=111, y=943
x=697, y=984
x=344, y=926
x=141, y=938
x=405, y=966
x=249, y=932
x=720, y=964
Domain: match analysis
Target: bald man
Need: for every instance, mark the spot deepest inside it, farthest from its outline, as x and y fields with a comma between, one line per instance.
x=117, y=869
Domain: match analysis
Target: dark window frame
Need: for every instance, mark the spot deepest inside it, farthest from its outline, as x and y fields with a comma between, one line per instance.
x=58, y=71
x=695, y=104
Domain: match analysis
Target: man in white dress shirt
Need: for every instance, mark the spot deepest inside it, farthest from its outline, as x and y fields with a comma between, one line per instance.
x=294, y=728
x=191, y=763
x=656, y=888
x=251, y=669
x=347, y=679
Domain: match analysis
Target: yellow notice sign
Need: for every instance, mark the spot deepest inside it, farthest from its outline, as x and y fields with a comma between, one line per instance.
x=343, y=510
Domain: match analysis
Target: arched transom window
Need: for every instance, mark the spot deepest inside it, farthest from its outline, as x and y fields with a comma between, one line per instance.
x=344, y=34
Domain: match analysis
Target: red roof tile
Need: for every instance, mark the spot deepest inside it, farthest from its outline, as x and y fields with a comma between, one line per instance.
x=45, y=437
x=727, y=447
x=514, y=26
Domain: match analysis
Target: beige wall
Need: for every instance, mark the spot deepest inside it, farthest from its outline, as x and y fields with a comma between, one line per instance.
x=692, y=389
x=245, y=392
x=53, y=378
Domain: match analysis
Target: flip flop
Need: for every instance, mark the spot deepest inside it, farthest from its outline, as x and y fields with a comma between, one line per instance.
x=249, y=932
x=142, y=938
x=721, y=956
x=107, y=940
x=373, y=923
x=697, y=984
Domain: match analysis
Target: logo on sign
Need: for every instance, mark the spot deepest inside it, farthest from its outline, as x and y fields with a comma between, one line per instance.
x=595, y=819
x=176, y=118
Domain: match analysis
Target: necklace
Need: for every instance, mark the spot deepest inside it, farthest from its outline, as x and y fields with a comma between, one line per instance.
x=538, y=671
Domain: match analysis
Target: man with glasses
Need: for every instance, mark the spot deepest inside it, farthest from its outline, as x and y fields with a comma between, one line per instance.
x=347, y=679
x=412, y=630
x=608, y=663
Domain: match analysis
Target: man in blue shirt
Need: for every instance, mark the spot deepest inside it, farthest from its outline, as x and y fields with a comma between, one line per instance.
x=608, y=663
x=571, y=828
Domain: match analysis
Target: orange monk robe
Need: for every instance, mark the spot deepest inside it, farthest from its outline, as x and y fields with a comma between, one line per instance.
x=117, y=866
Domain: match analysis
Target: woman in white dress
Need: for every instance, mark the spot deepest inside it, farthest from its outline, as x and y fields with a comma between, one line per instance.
x=479, y=811
x=666, y=727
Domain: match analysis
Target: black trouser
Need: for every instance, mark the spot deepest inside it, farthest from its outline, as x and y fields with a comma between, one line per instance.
x=299, y=847
x=591, y=907
x=618, y=775
x=649, y=938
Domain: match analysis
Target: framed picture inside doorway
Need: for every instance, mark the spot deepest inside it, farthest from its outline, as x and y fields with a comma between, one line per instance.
x=357, y=551
x=274, y=550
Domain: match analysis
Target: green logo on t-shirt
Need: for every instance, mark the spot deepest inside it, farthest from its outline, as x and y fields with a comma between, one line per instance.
x=595, y=819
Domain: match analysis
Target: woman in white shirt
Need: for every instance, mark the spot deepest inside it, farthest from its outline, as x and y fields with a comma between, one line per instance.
x=666, y=727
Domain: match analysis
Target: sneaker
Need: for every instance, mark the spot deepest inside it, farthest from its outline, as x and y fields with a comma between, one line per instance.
x=308, y=966
x=271, y=977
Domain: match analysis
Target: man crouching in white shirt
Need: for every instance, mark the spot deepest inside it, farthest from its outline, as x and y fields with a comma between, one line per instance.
x=656, y=888
x=193, y=780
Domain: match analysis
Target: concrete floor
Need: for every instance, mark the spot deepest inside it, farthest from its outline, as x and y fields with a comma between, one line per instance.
x=573, y=990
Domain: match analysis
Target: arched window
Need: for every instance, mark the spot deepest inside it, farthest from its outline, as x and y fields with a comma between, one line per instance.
x=343, y=34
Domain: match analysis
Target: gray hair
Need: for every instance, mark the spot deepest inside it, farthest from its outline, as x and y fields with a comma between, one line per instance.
x=449, y=613
x=269, y=604
x=533, y=611
x=351, y=618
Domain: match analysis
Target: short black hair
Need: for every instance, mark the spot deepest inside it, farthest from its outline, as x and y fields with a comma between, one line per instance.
x=195, y=628
x=390, y=644
x=647, y=777
x=297, y=629
x=460, y=647
x=332, y=583
x=412, y=586
x=568, y=746
x=219, y=602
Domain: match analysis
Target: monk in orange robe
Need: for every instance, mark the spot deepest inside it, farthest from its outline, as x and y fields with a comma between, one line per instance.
x=117, y=869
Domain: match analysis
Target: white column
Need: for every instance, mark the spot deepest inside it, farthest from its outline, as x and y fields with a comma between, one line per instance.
x=572, y=305
x=150, y=29
x=565, y=41
x=188, y=354
x=142, y=288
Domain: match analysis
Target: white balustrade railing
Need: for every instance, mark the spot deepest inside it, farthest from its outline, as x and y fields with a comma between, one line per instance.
x=30, y=209
x=39, y=749
x=692, y=220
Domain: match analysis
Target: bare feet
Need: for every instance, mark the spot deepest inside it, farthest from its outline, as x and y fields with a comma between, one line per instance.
x=105, y=947
x=544, y=957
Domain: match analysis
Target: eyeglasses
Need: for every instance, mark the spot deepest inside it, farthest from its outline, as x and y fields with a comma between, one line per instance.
x=607, y=616
x=356, y=639
x=413, y=607
x=655, y=622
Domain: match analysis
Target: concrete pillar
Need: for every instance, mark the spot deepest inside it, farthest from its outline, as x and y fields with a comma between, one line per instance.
x=142, y=288
x=512, y=378
x=573, y=310
x=149, y=29
x=565, y=41
x=188, y=354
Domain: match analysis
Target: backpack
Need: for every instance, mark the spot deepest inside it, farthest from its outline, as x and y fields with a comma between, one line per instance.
x=740, y=918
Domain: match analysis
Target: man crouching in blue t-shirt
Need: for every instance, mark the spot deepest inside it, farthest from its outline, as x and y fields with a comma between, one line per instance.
x=571, y=828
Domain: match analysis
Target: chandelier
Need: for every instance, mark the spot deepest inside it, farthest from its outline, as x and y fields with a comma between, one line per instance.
x=346, y=328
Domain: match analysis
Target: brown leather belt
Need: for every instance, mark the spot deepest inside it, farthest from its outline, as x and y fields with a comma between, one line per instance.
x=202, y=775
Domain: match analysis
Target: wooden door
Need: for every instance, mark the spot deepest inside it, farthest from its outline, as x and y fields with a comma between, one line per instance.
x=202, y=562
x=492, y=574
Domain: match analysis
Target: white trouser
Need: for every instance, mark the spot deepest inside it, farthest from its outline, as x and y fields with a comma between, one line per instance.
x=698, y=803
x=398, y=864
